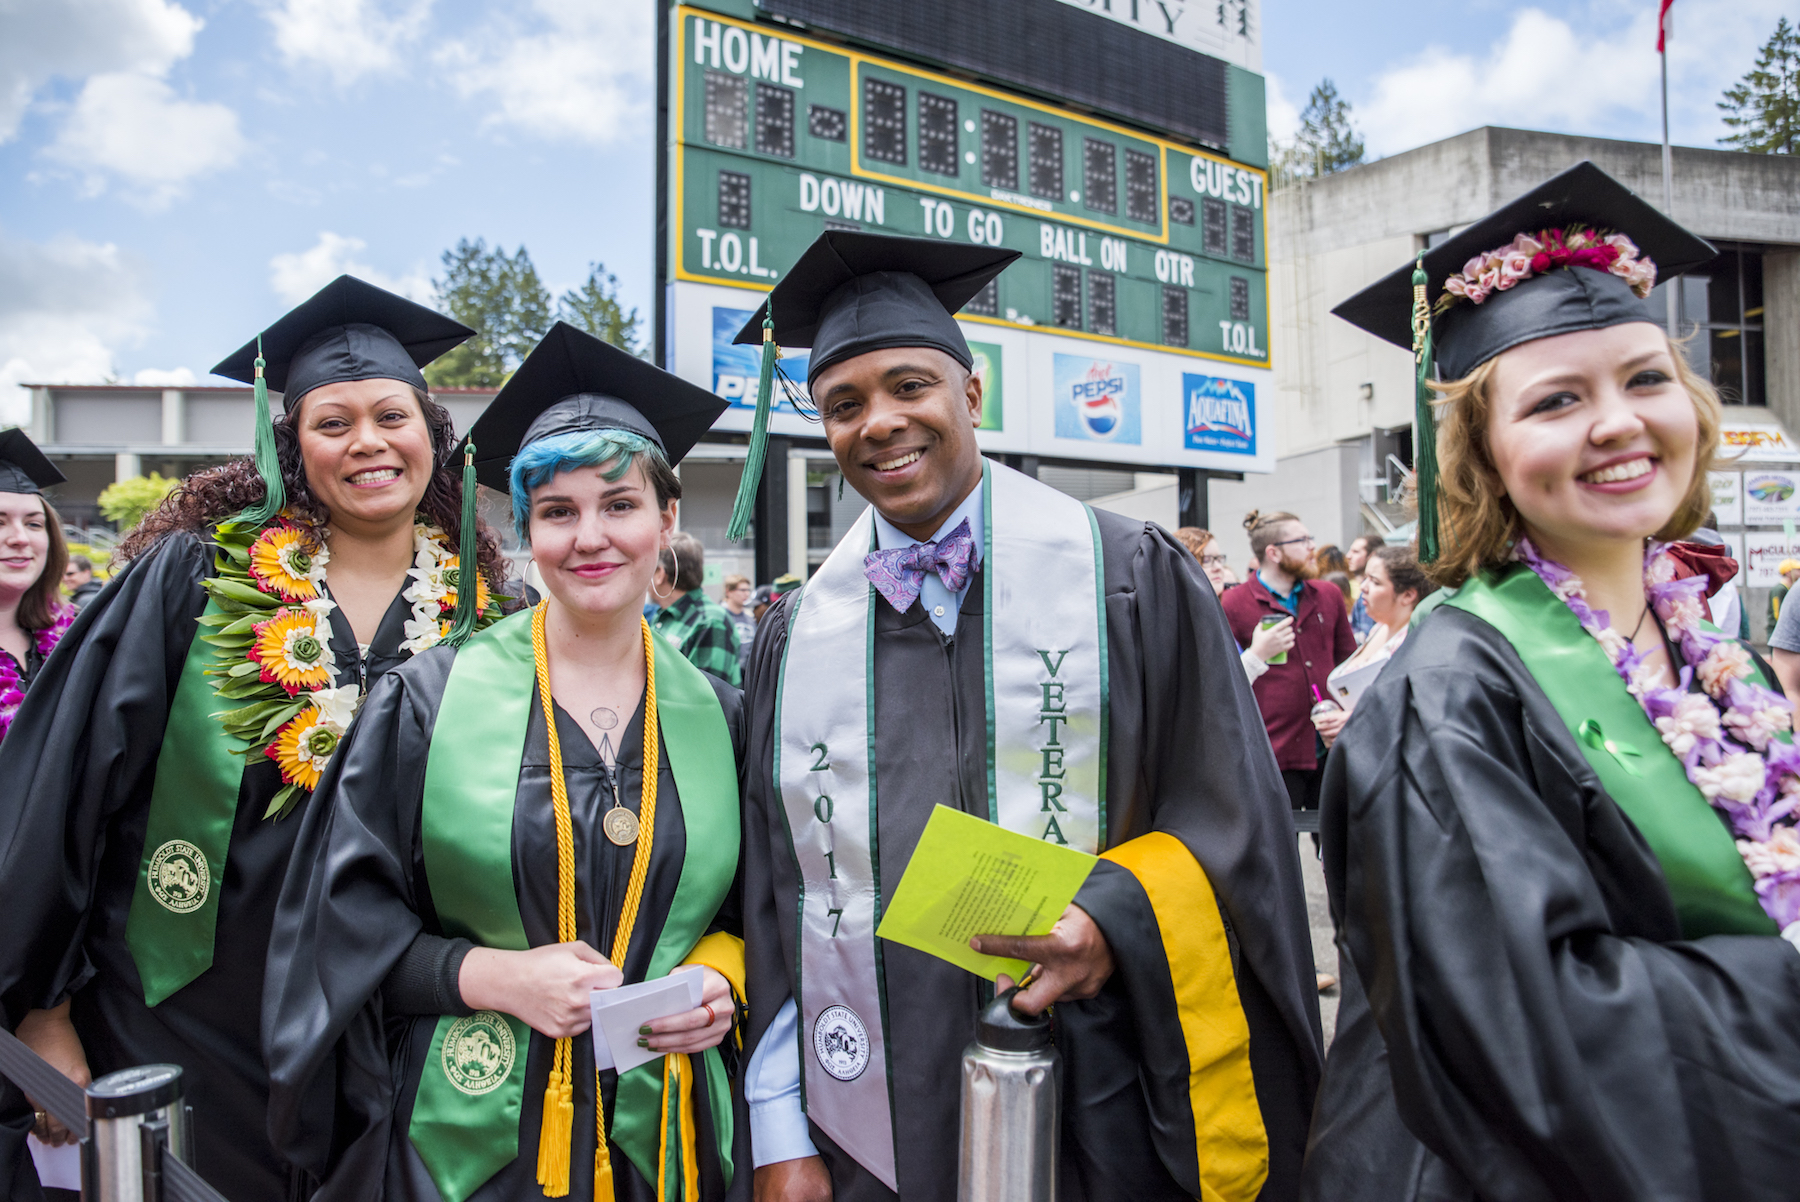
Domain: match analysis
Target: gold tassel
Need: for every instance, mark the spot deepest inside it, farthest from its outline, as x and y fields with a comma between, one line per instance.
x=557, y=1129
x=690, y=1158
x=603, y=1181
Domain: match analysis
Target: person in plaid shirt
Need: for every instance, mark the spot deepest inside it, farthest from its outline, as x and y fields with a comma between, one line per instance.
x=697, y=625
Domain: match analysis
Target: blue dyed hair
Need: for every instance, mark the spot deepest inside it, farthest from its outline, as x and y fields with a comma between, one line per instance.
x=612, y=451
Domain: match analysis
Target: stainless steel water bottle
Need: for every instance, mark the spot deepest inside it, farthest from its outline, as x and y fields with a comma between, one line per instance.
x=1011, y=1083
x=135, y=1120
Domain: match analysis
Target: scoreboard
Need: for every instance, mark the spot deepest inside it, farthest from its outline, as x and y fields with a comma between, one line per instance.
x=1135, y=326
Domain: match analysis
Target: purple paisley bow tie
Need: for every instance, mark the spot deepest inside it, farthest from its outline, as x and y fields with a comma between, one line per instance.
x=899, y=574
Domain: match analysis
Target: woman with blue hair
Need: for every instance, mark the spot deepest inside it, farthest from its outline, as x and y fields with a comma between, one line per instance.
x=548, y=811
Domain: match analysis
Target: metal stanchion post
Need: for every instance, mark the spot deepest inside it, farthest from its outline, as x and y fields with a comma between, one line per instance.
x=135, y=1120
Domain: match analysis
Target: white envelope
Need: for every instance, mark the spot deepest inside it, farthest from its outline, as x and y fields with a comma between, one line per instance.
x=58, y=1168
x=618, y=1013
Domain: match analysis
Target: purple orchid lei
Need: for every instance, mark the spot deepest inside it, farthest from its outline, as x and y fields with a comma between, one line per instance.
x=1725, y=736
x=12, y=691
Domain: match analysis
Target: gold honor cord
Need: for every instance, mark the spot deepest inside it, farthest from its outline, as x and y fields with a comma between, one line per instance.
x=557, y=1132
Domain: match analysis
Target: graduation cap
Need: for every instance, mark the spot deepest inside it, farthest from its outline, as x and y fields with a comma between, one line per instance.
x=572, y=381
x=23, y=468
x=852, y=293
x=347, y=330
x=1551, y=262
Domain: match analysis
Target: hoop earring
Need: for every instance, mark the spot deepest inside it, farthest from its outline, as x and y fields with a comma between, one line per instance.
x=676, y=556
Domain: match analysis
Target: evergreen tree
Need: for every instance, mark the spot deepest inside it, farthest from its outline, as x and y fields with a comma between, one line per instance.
x=595, y=307
x=502, y=299
x=1763, y=110
x=1326, y=141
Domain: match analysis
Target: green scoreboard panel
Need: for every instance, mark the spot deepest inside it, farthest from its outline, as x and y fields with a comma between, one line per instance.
x=1129, y=241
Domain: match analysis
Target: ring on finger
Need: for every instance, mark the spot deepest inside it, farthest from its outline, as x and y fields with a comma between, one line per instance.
x=711, y=1017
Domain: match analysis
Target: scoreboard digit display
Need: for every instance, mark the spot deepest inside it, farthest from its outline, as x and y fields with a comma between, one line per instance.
x=1141, y=242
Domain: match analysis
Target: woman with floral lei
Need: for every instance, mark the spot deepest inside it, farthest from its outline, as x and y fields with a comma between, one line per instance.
x=1558, y=831
x=545, y=811
x=33, y=614
x=159, y=759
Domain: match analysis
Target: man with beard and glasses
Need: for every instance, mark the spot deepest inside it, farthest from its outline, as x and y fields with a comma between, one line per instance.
x=1281, y=588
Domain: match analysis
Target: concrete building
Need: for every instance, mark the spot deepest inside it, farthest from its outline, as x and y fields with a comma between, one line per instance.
x=1344, y=409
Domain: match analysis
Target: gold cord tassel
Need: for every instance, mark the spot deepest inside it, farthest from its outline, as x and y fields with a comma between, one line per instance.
x=557, y=1132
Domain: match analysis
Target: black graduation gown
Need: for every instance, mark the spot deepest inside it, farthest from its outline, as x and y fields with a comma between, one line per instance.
x=344, y=1073
x=80, y=765
x=1521, y=1018
x=1187, y=755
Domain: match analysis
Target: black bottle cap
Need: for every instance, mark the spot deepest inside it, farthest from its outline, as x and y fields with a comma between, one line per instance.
x=1006, y=1030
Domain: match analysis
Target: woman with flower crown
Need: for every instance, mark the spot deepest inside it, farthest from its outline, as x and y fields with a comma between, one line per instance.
x=516, y=822
x=1558, y=832
x=156, y=768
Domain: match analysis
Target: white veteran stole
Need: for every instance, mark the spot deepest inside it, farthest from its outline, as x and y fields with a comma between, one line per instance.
x=1044, y=643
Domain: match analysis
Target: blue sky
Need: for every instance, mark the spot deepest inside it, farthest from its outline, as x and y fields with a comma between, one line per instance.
x=177, y=172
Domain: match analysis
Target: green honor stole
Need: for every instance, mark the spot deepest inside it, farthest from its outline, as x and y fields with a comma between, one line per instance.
x=1045, y=674
x=1711, y=887
x=465, y=1123
x=193, y=803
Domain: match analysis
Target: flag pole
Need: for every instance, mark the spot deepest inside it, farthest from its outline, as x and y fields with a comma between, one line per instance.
x=1668, y=163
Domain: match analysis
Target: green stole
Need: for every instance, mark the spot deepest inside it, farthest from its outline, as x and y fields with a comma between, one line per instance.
x=465, y=1123
x=193, y=803
x=1699, y=858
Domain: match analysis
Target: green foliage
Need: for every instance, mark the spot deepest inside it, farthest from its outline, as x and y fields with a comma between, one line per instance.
x=501, y=298
x=1763, y=109
x=125, y=502
x=1326, y=141
x=595, y=307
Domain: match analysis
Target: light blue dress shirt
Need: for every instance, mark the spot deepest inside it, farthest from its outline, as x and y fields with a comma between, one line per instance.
x=772, y=1084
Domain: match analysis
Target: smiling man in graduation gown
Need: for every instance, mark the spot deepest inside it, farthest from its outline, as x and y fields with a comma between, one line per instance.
x=982, y=641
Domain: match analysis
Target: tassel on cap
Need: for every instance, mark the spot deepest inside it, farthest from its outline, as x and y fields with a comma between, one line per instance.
x=759, y=433
x=468, y=582
x=1424, y=420
x=268, y=462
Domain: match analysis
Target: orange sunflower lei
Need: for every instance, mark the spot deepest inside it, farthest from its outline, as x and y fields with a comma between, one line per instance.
x=271, y=627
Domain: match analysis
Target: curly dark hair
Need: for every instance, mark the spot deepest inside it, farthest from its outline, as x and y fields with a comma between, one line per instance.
x=215, y=493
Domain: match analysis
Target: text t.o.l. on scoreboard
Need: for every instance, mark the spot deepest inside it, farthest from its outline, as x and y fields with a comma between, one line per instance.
x=1123, y=158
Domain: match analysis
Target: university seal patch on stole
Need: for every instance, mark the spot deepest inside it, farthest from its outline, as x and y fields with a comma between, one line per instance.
x=179, y=878
x=478, y=1052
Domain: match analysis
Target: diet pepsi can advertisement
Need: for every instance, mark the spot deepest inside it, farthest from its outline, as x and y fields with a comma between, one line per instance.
x=1220, y=414
x=1098, y=400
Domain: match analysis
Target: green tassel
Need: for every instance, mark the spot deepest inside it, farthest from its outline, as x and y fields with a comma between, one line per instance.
x=468, y=572
x=759, y=434
x=268, y=462
x=1424, y=419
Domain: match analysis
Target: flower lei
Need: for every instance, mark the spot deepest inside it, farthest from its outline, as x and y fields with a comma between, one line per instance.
x=1529, y=255
x=12, y=675
x=273, y=641
x=1726, y=736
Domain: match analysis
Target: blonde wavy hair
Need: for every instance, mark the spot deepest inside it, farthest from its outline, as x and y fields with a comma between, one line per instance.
x=1477, y=524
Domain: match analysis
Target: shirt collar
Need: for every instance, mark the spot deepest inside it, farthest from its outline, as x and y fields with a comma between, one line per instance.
x=1292, y=594
x=889, y=537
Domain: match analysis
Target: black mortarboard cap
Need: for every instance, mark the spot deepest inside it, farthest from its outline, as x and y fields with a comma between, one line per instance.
x=348, y=330
x=23, y=468
x=573, y=381
x=852, y=293
x=1560, y=301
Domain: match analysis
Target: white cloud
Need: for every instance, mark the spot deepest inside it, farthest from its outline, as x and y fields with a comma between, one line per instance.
x=64, y=305
x=582, y=71
x=298, y=274
x=346, y=39
x=157, y=377
x=1283, y=114
x=72, y=39
x=137, y=128
x=1592, y=70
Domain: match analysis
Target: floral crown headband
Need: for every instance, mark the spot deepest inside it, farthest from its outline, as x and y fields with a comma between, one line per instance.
x=1529, y=255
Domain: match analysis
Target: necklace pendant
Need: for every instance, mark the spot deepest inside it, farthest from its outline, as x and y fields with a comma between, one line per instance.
x=621, y=826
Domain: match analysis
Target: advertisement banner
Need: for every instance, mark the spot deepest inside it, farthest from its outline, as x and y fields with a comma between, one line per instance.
x=736, y=370
x=1758, y=444
x=1763, y=554
x=1220, y=414
x=1771, y=498
x=1098, y=400
x=1727, y=497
